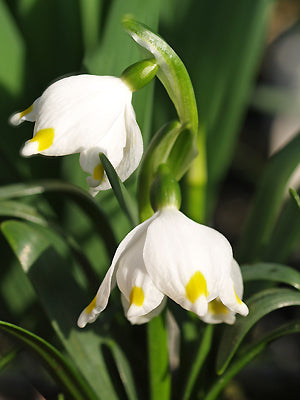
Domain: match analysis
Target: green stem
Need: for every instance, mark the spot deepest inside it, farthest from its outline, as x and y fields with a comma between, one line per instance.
x=220, y=384
x=201, y=355
x=160, y=377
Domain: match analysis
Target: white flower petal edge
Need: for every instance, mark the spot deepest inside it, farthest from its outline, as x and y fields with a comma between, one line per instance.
x=217, y=312
x=99, y=303
x=186, y=261
x=142, y=319
x=86, y=114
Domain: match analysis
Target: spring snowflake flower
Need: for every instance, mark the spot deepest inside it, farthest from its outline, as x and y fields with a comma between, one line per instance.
x=86, y=114
x=171, y=255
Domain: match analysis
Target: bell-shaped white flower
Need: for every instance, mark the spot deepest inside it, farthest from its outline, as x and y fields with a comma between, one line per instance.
x=86, y=114
x=170, y=255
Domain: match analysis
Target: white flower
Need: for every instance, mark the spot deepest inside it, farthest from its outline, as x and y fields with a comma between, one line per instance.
x=86, y=114
x=170, y=255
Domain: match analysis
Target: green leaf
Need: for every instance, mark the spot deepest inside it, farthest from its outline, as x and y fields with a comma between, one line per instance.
x=125, y=200
x=285, y=236
x=295, y=196
x=79, y=196
x=62, y=297
x=199, y=359
x=249, y=353
x=268, y=201
x=271, y=272
x=171, y=72
x=259, y=305
x=123, y=369
x=19, y=210
x=7, y=358
x=12, y=53
x=90, y=12
x=158, y=152
x=62, y=371
x=160, y=378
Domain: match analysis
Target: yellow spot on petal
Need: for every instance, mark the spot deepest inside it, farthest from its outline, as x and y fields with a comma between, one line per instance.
x=98, y=172
x=237, y=297
x=45, y=138
x=91, y=306
x=196, y=287
x=137, y=296
x=216, y=307
x=25, y=112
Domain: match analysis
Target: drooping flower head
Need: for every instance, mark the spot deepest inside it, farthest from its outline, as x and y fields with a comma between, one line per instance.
x=88, y=114
x=171, y=255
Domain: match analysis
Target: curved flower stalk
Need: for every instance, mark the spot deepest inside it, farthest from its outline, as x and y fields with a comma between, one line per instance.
x=86, y=114
x=171, y=255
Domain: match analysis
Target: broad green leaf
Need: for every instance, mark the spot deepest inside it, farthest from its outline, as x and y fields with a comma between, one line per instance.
x=81, y=197
x=259, y=305
x=160, y=378
x=268, y=201
x=248, y=354
x=19, y=210
x=62, y=371
x=62, y=298
x=271, y=272
x=171, y=72
x=125, y=200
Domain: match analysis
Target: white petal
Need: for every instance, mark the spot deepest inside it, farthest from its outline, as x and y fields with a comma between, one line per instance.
x=133, y=279
x=142, y=319
x=81, y=110
x=27, y=115
x=182, y=257
x=230, y=298
x=92, y=311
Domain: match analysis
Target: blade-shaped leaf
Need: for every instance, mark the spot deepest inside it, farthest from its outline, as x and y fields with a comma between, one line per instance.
x=125, y=200
x=62, y=371
x=62, y=298
x=171, y=72
x=259, y=305
x=248, y=354
x=271, y=272
x=19, y=210
x=268, y=200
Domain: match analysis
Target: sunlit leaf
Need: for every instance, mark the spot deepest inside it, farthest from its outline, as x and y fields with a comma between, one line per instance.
x=271, y=272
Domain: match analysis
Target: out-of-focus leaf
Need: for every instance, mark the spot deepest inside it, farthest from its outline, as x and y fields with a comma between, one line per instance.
x=12, y=53
x=123, y=369
x=271, y=272
x=81, y=197
x=248, y=354
x=268, y=200
x=259, y=305
x=7, y=358
x=171, y=72
x=295, y=196
x=160, y=377
x=63, y=372
x=20, y=210
x=285, y=236
x=62, y=298
x=90, y=12
x=125, y=200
